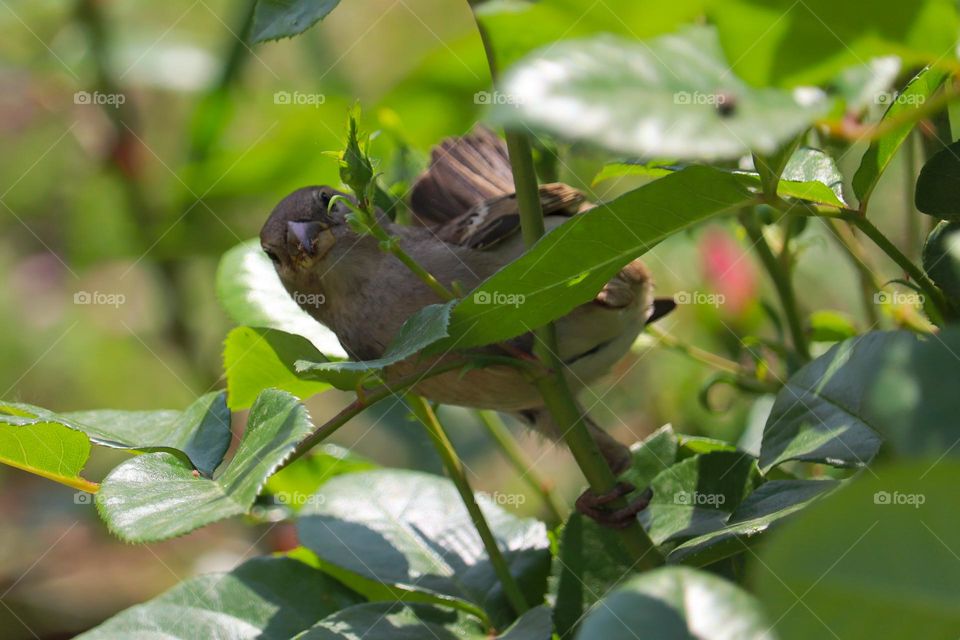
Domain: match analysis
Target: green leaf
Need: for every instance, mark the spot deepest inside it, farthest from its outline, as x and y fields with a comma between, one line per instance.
x=697, y=495
x=938, y=183
x=410, y=528
x=46, y=449
x=876, y=559
x=672, y=97
x=655, y=454
x=426, y=326
x=811, y=174
x=569, y=265
x=881, y=386
x=831, y=326
x=591, y=561
x=398, y=621
x=865, y=85
x=295, y=484
x=275, y=19
x=767, y=506
x=941, y=259
x=200, y=434
x=786, y=43
x=677, y=603
x=880, y=153
x=252, y=294
x=264, y=598
x=516, y=28
x=155, y=496
x=255, y=359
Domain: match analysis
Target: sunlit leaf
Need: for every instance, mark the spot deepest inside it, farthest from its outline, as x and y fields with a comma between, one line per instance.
x=156, y=496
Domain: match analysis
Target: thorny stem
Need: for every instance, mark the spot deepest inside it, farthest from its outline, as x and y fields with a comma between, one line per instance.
x=522, y=463
x=781, y=282
x=553, y=386
x=455, y=469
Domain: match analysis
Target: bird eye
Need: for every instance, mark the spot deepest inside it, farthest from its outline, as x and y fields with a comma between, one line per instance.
x=324, y=199
x=273, y=257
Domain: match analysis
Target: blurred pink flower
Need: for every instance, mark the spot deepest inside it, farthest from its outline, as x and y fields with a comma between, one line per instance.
x=727, y=270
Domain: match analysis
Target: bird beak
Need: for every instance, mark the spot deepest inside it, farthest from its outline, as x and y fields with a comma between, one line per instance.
x=306, y=234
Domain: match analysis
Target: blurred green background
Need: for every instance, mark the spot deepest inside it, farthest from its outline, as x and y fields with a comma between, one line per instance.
x=132, y=202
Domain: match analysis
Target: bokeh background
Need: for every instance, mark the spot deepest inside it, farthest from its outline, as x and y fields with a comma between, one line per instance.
x=131, y=202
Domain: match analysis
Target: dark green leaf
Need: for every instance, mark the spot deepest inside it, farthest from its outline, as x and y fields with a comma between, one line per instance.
x=941, y=259
x=938, y=185
x=881, y=151
x=787, y=43
x=265, y=598
x=677, y=603
x=770, y=503
x=252, y=294
x=876, y=559
x=410, y=528
x=155, y=496
x=569, y=265
x=881, y=386
x=275, y=19
x=397, y=621
x=671, y=97
x=697, y=495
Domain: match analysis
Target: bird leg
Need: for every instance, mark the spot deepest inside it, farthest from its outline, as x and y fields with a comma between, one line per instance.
x=595, y=506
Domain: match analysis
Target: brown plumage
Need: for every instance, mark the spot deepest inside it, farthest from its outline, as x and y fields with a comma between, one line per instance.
x=468, y=229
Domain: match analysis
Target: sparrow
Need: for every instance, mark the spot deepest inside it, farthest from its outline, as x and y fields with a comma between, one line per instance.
x=466, y=227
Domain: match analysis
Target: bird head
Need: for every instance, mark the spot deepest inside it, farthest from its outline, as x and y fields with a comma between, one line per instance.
x=303, y=230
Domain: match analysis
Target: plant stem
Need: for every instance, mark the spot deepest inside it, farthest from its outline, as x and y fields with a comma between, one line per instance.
x=454, y=467
x=521, y=463
x=869, y=283
x=781, y=282
x=370, y=398
x=668, y=341
x=390, y=244
x=553, y=386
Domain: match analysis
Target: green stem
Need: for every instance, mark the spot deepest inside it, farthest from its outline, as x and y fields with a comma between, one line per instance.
x=368, y=399
x=553, y=386
x=455, y=469
x=668, y=341
x=860, y=259
x=521, y=463
x=781, y=282
x=391, y=245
